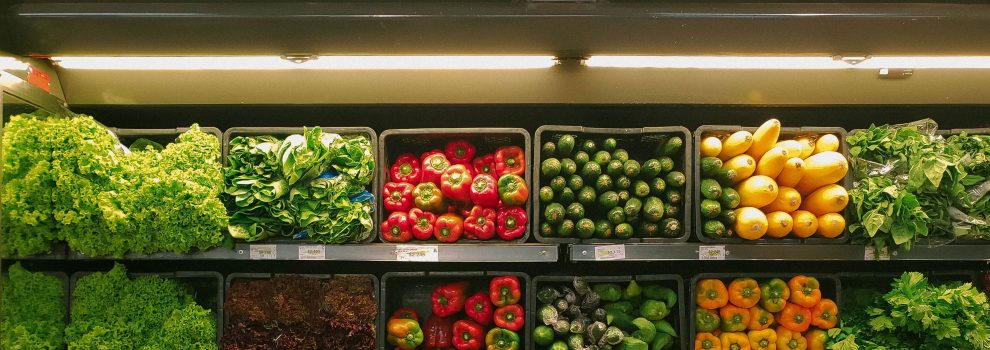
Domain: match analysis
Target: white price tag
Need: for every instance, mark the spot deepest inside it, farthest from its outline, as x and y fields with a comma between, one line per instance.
x=263, y=252
x=711, y=252
x=428, y=253
x=870, y=253
x=312, y=252
x=610, y=252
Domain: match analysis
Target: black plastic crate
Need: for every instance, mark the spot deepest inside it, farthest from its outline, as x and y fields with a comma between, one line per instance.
x=831, y=288
x=281, y=133
x=162, y=136
x=62, y=276
x=786, y=133
x=674, y=282
x=205, y=286
x=394, y=142
x=414, y=289
x=639, y=138
x=322, y=277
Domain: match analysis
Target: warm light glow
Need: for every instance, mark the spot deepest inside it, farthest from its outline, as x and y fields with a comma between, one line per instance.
x=11, y=64
x=787, y=62
x=323, y=62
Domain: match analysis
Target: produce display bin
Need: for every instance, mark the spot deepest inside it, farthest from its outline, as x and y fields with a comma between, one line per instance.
x=394, y=142
x=414, y=289
x=674, y=282
x=206, y=288
x=62, y=276
x=785, y=133
x=643, y=141
x=162, y=136
x=282, y=132
x=831, y=288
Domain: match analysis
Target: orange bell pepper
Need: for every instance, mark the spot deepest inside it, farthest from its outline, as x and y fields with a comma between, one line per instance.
x=759, y=319
x=734, y=341
x=795, y=318
x=804, y=291
x=816, y=339
x=763, y=340
x=744, y=292
x=825, y=314
x=711, y=294
x=706, y=341
x=790, y=340
x=734, y=318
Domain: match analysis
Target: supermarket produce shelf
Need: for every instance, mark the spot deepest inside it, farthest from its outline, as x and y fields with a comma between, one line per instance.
x=362, y=252
x=784, y=252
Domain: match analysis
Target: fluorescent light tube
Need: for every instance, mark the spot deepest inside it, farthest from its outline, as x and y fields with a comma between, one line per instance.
x=321, y=62
x=788, y=62
x=11, y=64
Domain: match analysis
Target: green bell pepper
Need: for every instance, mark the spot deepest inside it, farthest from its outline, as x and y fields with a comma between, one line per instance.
x=662, y=341
x=706, y=320
x=502, y=339
x=645, y=330
x=608, y=291
x=632, y=291
x=634, y=344
x=653, y=310
x=656, y=292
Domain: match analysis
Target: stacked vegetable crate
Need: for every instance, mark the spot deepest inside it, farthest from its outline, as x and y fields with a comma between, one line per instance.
x=604, y=299
x=421, y=142
x=651, y=170
x=786, y=211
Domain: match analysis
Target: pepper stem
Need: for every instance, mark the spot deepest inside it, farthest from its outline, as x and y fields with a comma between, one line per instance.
x=405, y=169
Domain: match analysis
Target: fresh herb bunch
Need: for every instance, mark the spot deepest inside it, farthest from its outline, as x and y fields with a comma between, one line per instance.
x=32, y=310
x=917, y=315
x=311, y=185
x=912, y=183
x=110, y=311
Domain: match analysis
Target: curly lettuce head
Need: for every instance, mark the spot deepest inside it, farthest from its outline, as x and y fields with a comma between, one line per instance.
x=33, y=309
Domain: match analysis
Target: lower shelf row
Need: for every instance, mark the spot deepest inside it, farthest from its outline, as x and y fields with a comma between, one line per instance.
x=460, y=310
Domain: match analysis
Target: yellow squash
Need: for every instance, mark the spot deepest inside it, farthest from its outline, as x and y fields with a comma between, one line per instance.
x=711, y=146
x=788, y=200
x=764, y=138
x=827, y=199
x=827, y=143
x=743, y=164
x=831, y=225
x=807, y=146
x=780, y=224
x=737, y=143
x=805, y=223
x=793, y=148
x=757, y=191
x=772, y=162
x=792, y=173
x=751, y=223
x=822, y=169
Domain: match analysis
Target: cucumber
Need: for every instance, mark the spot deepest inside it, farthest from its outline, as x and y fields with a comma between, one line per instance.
x=550, y=167
x=675, y=179
x=575, y=183
x=566, y=196
x=604, y=183
x=567, y=166
x=585, y=228
x=726, y=177
x=589, y=146
x=729, y=198
x=727, y=216
x=671, y=211
x=710, y=189
x=653, y=209
x=623, y=196
x=604, y=229
x=566, y=228
x=608, y=200
x=546, y=229
x=581, y=158
x=558, y=183
x=650, y=169
x=710, y=166
x=713, y=229
x=710, y=208
x=623, y=231
x=575, y=211
x=614, y=167
x=609, y=144
x=648, y=229
x=631, y=168
x=616, y=215
x=673, y=196
x=623, y=183
x=546, y=194
x=632, y=207
x=554, y=213
x=587, y=196
x=548, y=150
x=666, y=164
x=602, y=158
x=565, y=145
x=671, y=228
x=620, y=154
x=658, y=186
x=640, y=188
x=671, y=147
x=591, y=171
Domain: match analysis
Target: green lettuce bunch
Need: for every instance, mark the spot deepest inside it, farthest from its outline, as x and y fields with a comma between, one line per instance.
x=32, y=310
x=28, y=186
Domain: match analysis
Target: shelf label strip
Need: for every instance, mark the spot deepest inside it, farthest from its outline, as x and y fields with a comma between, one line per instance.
x=610, y=252
x=312, y=252
x=263, y=252
x=711, y=252
x=421, y=253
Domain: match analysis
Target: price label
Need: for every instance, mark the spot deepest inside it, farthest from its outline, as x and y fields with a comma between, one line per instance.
x=610, y=252
x=427, y=253
x=711, y=252
x=870, y=253
x=263, y=252
x=312, y=252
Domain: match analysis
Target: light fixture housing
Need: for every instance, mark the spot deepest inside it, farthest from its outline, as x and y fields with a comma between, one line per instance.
x=790, y=62
x=293, y=62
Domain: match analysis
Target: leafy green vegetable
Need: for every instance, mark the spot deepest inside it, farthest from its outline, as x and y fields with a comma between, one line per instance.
x=28, y=185
x=32, y=310
x=110, y=311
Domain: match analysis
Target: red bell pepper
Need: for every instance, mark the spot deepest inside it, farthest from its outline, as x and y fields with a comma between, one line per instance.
x=406, y=169
x=448, y=299
x=459, y=152
x=479, y=309
x=396, y=228
x=468, y=335
x=437, y=332
x=428, y=197
x=433, y=167
x=480, y=223
x=504, y=290
x=510, y=160
x=398, y=196
x=512, y=190
x=422, y=223
x=485, y=164
x=456, y=183
x=483, y=191
x=448, y=228
x=510, y=223
x=422, y=157
x=405, y=313
x=510, y=317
